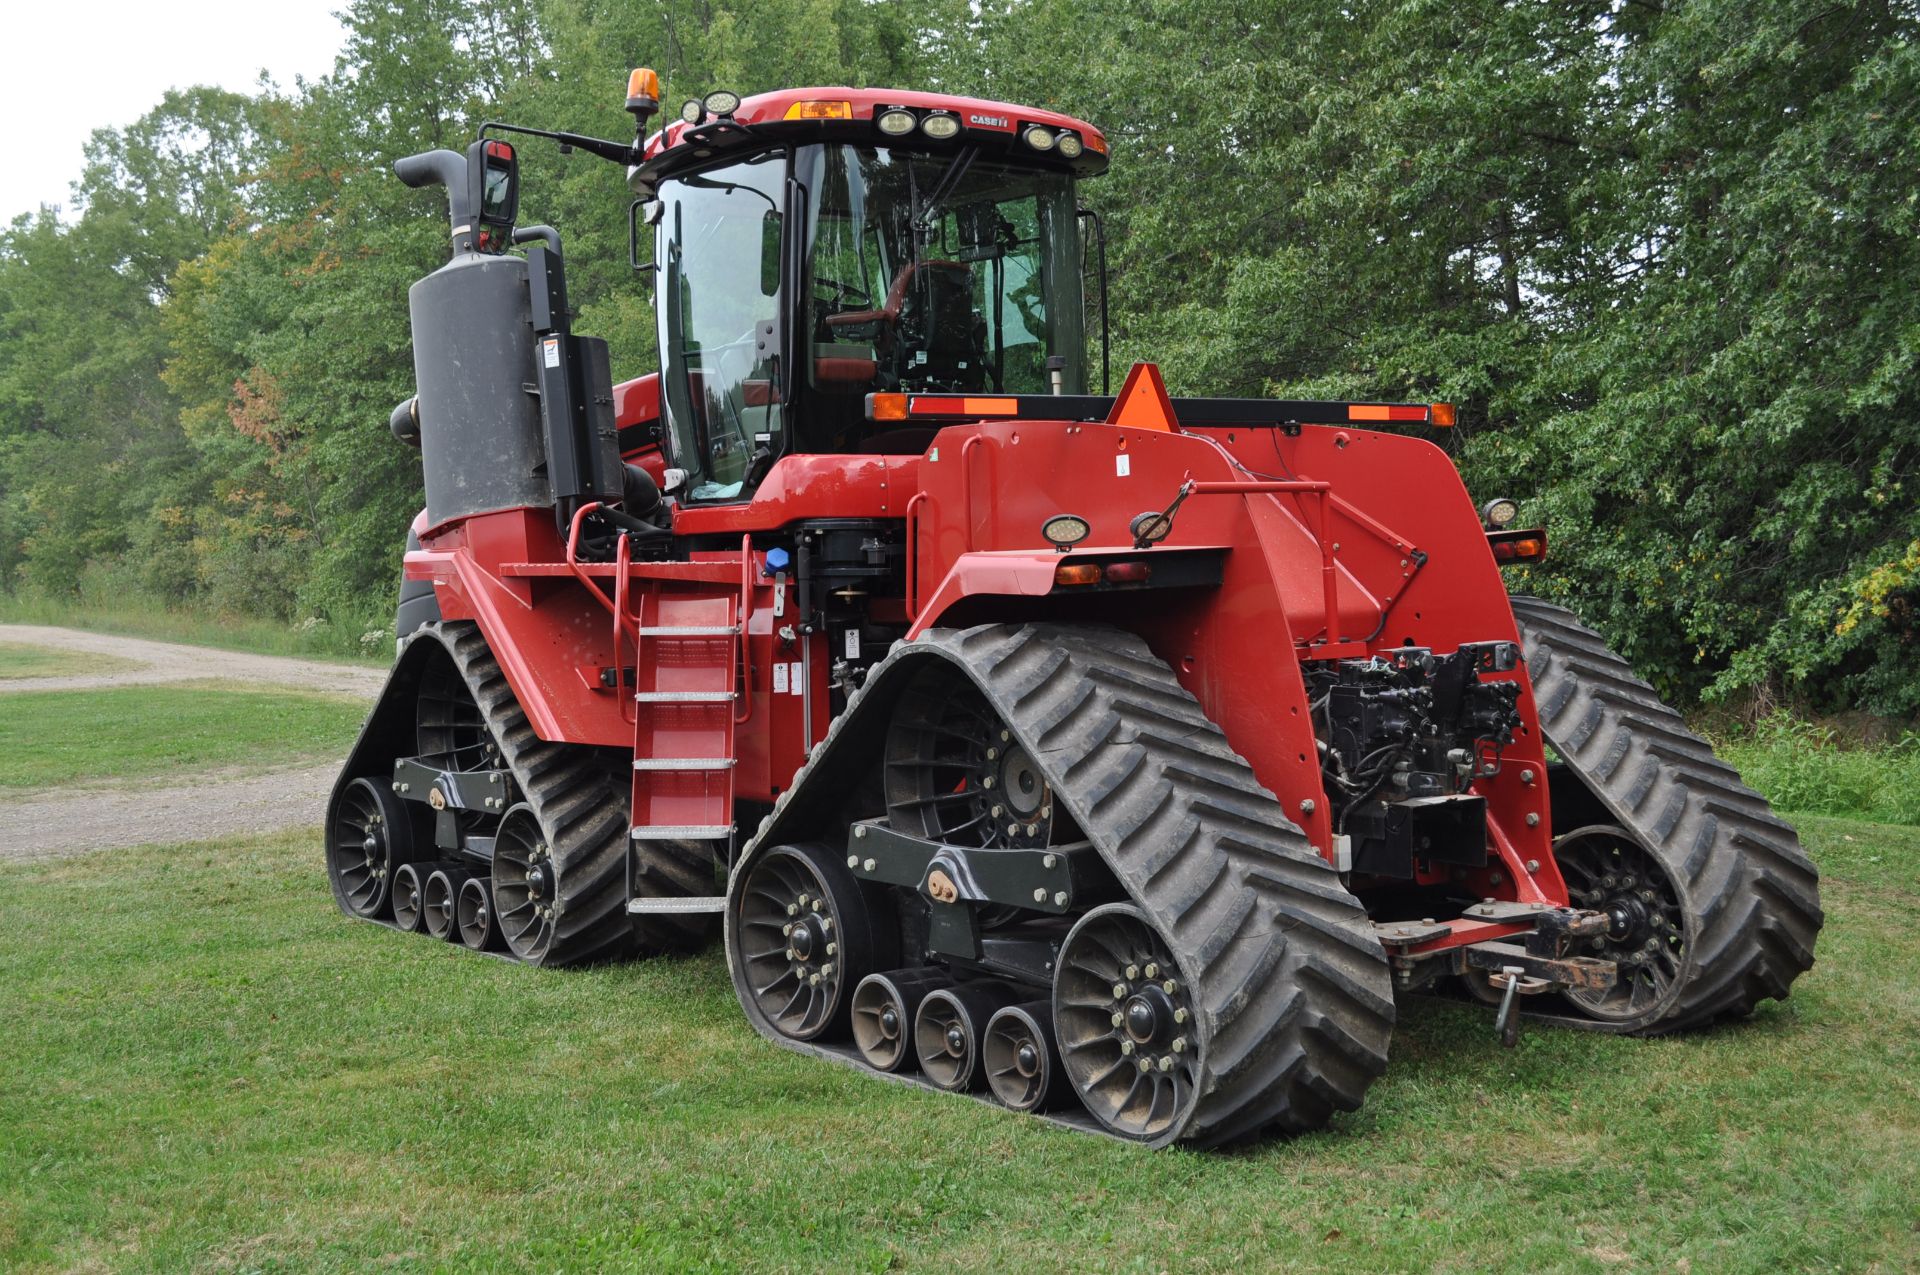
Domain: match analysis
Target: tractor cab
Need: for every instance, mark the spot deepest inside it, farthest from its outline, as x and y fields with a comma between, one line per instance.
x=814, y=247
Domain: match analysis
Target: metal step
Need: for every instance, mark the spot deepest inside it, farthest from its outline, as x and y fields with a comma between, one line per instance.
x=683, y=763
x=677, y=907
x=682, y=831
x=685, y=697
x=688, y=630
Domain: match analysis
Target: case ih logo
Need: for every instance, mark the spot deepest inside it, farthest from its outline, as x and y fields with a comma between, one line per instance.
x=989, y=121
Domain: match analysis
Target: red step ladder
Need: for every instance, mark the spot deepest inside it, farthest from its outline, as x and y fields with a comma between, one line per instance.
x=687, y=701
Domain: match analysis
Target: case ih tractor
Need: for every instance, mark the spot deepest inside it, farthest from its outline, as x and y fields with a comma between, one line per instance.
x=1112, y=756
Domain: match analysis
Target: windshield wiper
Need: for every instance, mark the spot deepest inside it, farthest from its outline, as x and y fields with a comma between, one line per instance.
x=956, y=170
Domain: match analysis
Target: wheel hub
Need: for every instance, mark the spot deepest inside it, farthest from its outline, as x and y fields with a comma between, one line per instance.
x=1149, y=1012
x=956, y=1040
x=1020, y=779
x=536, y=883
x=1026, y=1060
x=890, y=1023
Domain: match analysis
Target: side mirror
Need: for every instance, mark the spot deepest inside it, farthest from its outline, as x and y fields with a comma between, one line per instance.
x=770, y=254
x=493, y=193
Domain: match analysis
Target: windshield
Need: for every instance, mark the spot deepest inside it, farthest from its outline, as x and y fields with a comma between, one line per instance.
x=940, y=272
x=720, y=252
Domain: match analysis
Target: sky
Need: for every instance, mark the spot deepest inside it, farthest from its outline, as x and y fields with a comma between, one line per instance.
x=67, y=68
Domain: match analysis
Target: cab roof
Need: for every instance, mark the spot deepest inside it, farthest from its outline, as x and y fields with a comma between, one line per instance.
x=850, y=115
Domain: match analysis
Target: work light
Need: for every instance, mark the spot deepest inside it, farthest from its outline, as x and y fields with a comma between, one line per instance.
x=896, y=122
x=1040, y=139
x=721, y=102
x=940, y=125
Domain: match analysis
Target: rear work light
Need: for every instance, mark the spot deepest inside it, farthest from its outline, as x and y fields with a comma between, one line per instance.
x=940, y=125
x=1129, y=572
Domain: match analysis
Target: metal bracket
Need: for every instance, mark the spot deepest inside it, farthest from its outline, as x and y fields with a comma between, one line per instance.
x=1053, y=879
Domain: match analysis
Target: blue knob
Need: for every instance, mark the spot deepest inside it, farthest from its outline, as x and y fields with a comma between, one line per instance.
x=776, y=561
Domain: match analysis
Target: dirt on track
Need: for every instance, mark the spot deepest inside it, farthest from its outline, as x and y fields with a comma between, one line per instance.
x=68, y=821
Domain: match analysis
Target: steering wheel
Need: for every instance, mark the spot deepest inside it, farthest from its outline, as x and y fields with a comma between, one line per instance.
x=836, y=294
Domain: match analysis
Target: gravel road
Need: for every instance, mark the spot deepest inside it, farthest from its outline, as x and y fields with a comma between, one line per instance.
x=68, y=821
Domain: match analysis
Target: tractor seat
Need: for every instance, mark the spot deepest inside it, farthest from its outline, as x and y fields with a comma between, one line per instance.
x=896, y=298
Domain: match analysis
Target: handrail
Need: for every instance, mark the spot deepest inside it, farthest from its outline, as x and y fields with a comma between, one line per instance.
x=740, y=633
x=1329, y=573
x=913, y=556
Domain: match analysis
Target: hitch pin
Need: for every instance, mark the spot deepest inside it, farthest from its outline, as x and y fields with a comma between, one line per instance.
x=1507, y=1022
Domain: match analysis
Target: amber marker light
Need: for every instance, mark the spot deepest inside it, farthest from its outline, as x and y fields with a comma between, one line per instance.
x=820, y=111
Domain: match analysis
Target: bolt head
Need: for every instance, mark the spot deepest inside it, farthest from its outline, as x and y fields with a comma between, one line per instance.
x=1307, y=807
x=1040, y=896
x=1179, y=1044
x=1013, y=830
x=853, y=861
x=1133, y=972
x=1049, y=860
x=792, y=955
x=1046, y=812
x=998, y=811
x=1119, y=991
x=793, y=909
x=859, y=832
x=1533, y=819
x=1180, y=1015
x=1526, y=776
x=1059, y=898
x=868, y=864
x=804, y=900
x=826, y=923
x=1166, y=1063
x=1533, y=865
x=787, y=929
x=833, y=949
x=813, y=980
x=1119, y=1019
x=987, y=782
x=396, y=785
x=1005, y=736
x=1169, y=987
x=1126, y=1047
x=826, y=970
x=1145, y=1065
x=992, y=753
x=1032, y=828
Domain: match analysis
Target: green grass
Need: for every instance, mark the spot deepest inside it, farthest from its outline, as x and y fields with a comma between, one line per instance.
x=1802, y=765
x=52, y=738
x=19, y=660
x=323, y=641
x=205, y=1066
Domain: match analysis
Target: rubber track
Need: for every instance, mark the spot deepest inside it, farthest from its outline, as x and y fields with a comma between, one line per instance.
x=585, y=811
x=1293, y=993
x=1751, y=891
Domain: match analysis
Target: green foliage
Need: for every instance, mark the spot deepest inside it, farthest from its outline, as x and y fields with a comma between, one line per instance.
x=1663, y=256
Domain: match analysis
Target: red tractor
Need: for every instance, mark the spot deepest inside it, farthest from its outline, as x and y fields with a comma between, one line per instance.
x=1116, y=756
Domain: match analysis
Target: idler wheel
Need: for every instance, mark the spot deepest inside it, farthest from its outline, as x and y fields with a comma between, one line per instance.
x=948, y=1030
x=1125, y=1026
x=370, y=838
x=473, y=915
x=1022, y=1062
x=524, y=881
x=884, y=1006
x=802, y=938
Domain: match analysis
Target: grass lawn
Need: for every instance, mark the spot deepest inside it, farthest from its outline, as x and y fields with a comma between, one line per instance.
x=205, y=1066
x=18, y=659
x=53, y=738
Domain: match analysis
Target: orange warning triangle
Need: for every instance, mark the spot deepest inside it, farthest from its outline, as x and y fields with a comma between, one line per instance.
x=1143, y=401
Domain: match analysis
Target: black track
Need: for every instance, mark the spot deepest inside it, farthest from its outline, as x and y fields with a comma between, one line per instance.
x=1750, y=896
x=1293, y=996
x=582, y=798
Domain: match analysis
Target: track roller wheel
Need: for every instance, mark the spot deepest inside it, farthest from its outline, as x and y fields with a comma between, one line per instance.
x=473, y=914
x=884, y=1006
x=1124, y=1024
x=371, y=836
x=1022, y=1062
x=948, y=1030
x=438, y=898
x=409, y=895
x=803, y=939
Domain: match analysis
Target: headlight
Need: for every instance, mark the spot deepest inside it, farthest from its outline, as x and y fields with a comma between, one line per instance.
x=1041, y=139
x=1500, y=512
x=940, y=126
x=1071, y=145
x=721, y=102
x=896, y=122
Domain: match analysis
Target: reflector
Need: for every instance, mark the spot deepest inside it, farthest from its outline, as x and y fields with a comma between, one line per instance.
x=820, y=111
x=1077, y=573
